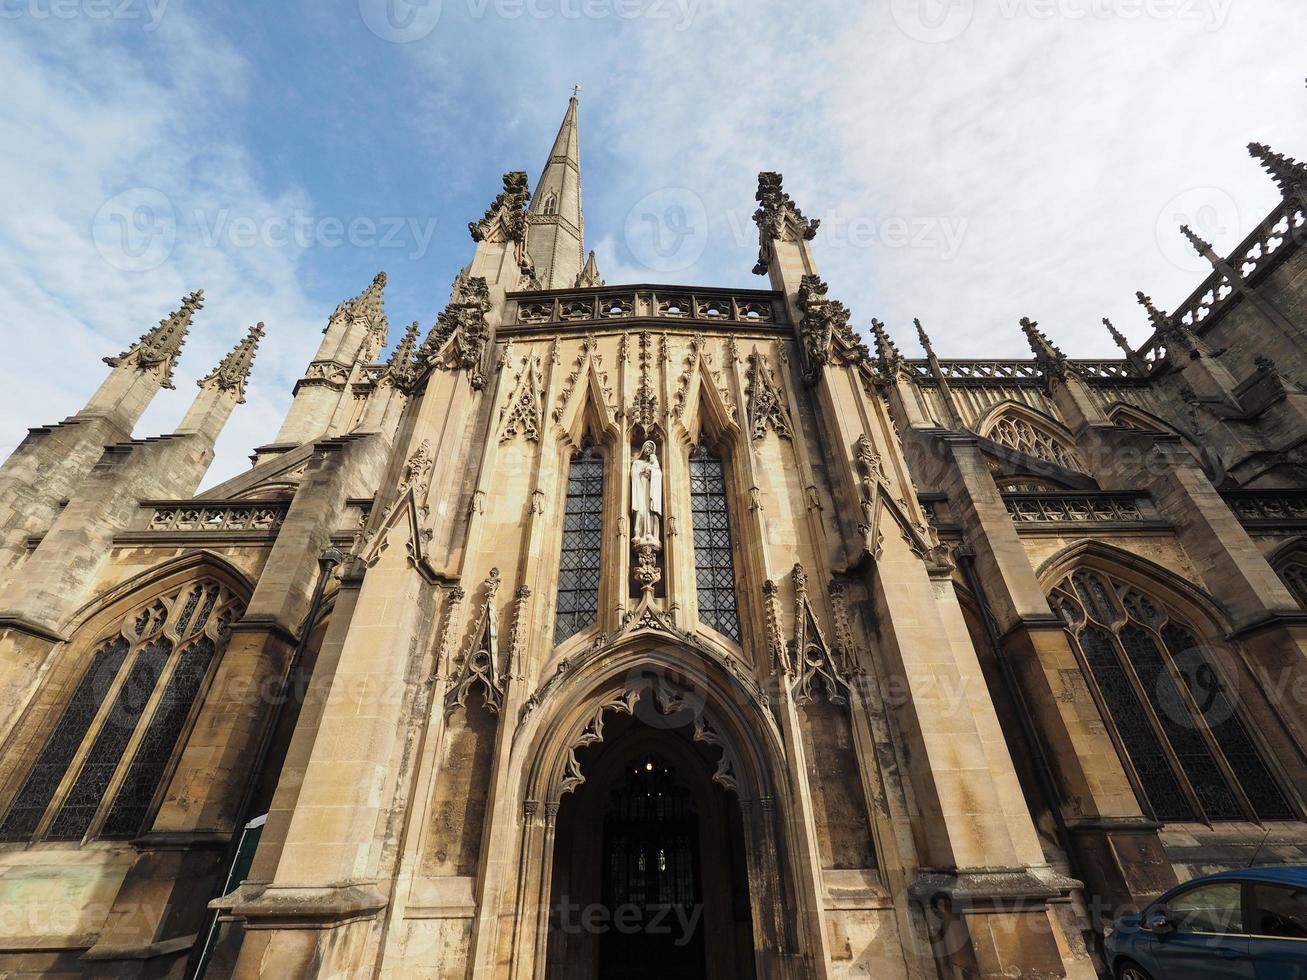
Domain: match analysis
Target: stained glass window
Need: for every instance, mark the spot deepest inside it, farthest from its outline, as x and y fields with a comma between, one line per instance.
x=169, y=643
x=714, y=568
x=583, y=533
x=1180, y=731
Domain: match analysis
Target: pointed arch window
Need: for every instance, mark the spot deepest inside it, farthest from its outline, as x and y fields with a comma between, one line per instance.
x=1293, y=571
x=583, y=532
x=551, y=204
x=101, y=767
x=714, y=566
x=1021, y=430
x=1178, y=726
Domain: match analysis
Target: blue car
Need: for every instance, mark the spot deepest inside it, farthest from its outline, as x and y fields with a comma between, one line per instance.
x=1250, y=925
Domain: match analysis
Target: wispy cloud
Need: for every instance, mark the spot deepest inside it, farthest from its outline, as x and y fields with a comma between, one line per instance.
x=973, y=161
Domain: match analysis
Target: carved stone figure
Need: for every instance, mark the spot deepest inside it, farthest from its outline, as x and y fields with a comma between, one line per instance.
x=646, y=497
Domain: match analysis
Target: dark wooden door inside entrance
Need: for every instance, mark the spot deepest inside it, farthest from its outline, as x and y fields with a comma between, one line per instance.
x=652, y=884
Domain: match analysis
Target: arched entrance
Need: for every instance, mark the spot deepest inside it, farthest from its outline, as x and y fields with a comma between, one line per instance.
x=650, y=877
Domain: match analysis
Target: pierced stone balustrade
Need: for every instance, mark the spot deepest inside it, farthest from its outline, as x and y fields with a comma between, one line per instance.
x=601, y=306
x=1082, y=507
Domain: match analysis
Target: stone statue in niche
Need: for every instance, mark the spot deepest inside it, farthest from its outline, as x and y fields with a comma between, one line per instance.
x=646, y=498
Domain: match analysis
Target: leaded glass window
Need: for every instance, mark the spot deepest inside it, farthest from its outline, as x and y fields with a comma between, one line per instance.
x=1178, y=726
x=714, y=568
x=149, y=671
x=583, y=534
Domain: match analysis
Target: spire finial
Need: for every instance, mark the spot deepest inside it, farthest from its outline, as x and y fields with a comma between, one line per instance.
x=576, y=90
x=925, y=341
x=161, y=345
x=234, y=370
x=1202, y=247
x=1159, y=320
x=1050, y=359
x=401, y=367
x=588, y=277
x=887, y=354
x=1118, y=336
x=778, y=219
x=1288, y=173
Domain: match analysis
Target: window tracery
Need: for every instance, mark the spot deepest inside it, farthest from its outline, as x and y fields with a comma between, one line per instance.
x=1177, y=723
x=167, y=644
x=1015, y=431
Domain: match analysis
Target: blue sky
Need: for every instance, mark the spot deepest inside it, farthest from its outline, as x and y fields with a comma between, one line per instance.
x=973, y=161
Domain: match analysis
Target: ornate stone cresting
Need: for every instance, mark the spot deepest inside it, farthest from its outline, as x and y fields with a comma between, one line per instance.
x=505, y=219
x=479, y=664
x=824, y=330
x=234, y=370
x=158, y=347
x=766, y=404
x=778, y=219
x=461, y=334
x=525, y=405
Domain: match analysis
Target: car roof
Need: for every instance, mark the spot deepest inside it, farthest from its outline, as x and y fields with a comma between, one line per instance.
x=1281, y=875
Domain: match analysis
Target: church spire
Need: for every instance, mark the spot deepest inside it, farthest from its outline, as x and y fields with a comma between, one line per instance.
x=555, y=236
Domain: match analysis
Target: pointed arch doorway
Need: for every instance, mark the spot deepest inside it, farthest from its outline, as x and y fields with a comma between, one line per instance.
x=649, y=874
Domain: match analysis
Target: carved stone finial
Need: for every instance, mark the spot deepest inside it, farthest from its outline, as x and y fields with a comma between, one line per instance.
x=459, y=339
x=778, y=219
x=825, y=330
x=888, y=358
x=1203, y=248
x=1051, y=360
x=159, y=347
x=234, y=370
x=1176, y=333
x=588, y=277
x=923, y=339
x=505, y=219
x=1289, y=175
x=401, y=368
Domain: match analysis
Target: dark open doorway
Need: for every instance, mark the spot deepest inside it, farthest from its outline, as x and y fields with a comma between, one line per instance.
x=649, y=874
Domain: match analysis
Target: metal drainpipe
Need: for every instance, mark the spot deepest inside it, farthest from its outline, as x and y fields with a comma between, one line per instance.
x=328, y=560
x=966, y=556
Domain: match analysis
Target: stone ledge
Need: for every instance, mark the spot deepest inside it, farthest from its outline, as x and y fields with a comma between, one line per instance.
x=149, y=951
x=984, y=890
x=323, y=907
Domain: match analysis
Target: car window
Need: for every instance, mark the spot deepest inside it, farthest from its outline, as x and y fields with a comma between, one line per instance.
x=1207, y=908
x=1279, y=912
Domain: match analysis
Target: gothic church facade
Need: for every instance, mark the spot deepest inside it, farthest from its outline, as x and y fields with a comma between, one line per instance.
x=658, y=630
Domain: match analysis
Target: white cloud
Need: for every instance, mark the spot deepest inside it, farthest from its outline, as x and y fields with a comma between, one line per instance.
x=1033, y=164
